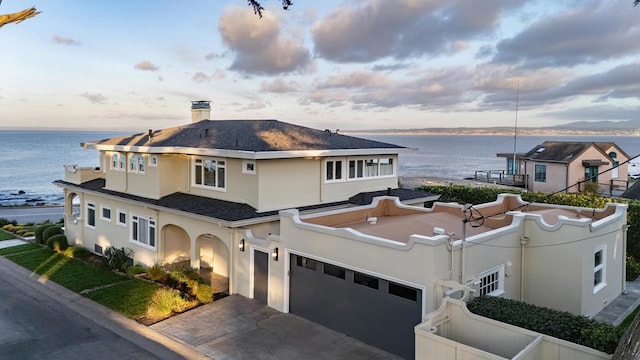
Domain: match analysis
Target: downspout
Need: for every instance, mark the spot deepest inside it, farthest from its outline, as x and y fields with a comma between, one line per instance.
x=566, y=178
x=523, y=242
x=464, y=240
x=624, y=258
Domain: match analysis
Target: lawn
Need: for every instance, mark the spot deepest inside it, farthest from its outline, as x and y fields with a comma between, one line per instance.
x=129, y=298
x=6, y=236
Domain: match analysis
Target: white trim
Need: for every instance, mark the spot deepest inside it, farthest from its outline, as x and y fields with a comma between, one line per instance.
x=602, y=268
x=208, y=187
x=343, y=170
x=87, y=206
x=245, y=164
x=153, y=161
x=155, y=227
x=244, y=154
x=118, y=212
x=102, y=209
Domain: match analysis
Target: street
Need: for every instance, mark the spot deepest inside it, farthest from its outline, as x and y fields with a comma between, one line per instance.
x=24, y=215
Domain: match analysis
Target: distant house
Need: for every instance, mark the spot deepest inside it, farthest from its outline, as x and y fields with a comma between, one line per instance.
x=569, y=166
x=633, y=192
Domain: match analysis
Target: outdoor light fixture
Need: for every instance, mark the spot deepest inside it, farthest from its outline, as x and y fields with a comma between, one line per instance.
x=241, y=245
x=274, y=254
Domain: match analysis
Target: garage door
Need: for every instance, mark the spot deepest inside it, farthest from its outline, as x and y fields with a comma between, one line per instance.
x=376, y=311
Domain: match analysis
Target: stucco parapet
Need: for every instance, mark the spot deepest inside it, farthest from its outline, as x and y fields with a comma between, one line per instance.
x=620, y=214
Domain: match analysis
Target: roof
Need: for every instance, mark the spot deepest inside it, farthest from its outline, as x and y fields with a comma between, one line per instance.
x=565, y=152
x=633, y=192
x=228, y=210
x=232, y=136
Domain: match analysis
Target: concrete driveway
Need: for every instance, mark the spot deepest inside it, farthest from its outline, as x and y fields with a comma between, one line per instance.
x=238, y=328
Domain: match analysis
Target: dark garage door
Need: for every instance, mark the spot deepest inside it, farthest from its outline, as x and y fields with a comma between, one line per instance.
x=376, y=311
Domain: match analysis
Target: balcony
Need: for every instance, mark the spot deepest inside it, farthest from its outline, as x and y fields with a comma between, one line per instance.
x=78, y=175
x=501, y=177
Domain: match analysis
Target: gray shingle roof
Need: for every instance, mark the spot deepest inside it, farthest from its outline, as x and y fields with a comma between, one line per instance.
x=247, y=135
x=232, y=211
x=563, y=151
x=632, y=192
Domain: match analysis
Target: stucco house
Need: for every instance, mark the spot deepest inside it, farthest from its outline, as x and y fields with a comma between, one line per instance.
x=564, y=166
x=311, y=222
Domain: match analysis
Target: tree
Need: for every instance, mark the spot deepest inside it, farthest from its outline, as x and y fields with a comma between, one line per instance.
x=257, y=7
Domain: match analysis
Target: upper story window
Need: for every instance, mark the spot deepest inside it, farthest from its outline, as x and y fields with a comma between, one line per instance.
x=136, y=163
x=492, y=281
x=210, y=173
x=334, y=170
x=249, y=167
x=540, y=173
x=117, y=161
x=370, y=168
x=613, y=155
x=153, y=160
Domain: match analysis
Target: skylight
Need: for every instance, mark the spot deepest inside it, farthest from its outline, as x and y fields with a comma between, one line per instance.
x=540, y=149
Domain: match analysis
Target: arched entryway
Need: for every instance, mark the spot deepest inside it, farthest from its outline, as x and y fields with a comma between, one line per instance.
x=214, y=258
x=176, y=246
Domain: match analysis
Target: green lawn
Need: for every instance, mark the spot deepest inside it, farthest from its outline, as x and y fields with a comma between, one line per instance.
x=6, y=236
x=130, y=298
x=19, y=248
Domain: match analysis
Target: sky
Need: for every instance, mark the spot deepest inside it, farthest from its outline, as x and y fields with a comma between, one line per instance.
x=349, y=65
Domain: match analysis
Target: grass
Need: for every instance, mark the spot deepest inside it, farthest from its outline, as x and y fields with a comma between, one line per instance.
x=6, y=236
x=130, y=298
x=19, y=249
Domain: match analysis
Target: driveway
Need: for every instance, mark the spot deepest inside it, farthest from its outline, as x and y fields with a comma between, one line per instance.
x=238, y=328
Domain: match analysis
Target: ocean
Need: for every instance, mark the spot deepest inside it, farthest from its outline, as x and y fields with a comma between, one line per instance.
x=32, y=160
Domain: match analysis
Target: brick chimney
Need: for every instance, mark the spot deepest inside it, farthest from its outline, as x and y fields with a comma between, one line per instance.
x=200, y=110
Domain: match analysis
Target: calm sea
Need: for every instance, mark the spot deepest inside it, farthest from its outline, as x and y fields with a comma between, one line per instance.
x=32, y=160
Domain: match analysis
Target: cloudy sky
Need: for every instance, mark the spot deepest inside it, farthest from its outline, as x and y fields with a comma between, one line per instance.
x=352, y=65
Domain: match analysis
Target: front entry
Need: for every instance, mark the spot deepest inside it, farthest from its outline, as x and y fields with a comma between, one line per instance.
x=260, y=276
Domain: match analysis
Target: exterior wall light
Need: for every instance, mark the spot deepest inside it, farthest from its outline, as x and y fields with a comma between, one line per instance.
x=241, y=245
x=274, y=254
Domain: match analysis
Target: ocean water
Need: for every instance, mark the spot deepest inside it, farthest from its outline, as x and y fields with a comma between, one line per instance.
x=32, y=160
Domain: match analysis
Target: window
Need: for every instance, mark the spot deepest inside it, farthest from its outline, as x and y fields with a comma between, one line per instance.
x=210, y=173
x=591, y=173
x=249, y=167
x=91, y=215
x=333, y=170
x=123, y=160
x=122, y=217
x=105, y=213
x=599, y=260
x=117, y=161
x=370, y=168
x=153, y=160
x=306, y=263
x=614, y=171
x=136, y=164
x=143, y=230
x=541, y=173
x=365, y=280
x=114, y=161
x=333, y=270
x=403, y=291
x=492, y=281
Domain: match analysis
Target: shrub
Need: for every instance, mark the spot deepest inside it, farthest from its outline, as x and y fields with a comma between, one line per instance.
x=28, y=233
x=633, y=268
x=49, y=232
x=4, y=222
x=563, y=325
x=157, y=273
x=8, y=227
x=118, y=259
x=164, y=302
x=57, y=243
x=136, y=269
x=204, y=293
x=76, y=252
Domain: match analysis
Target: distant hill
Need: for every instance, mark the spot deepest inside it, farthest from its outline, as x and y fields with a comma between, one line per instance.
x=622, y=128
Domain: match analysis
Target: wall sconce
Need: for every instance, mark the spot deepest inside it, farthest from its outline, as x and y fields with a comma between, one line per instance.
x=274, y=254
x=241, y=245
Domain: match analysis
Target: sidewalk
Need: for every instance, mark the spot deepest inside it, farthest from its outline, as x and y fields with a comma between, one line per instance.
x=622, y=306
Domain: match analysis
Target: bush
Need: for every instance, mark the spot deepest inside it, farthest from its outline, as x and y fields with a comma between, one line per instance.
x=8, y=227
x=4, y=222
x=47, y=232
x=118, y=259
x=76, y=252
x=28, y=233
x=164, y=302
x=57, y=243
x=136, y=269
x=633, y=268
x=563, y=325
x=157, y=273
x=204, y=293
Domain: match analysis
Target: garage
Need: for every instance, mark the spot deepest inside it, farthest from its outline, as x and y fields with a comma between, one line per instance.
x=376, y=311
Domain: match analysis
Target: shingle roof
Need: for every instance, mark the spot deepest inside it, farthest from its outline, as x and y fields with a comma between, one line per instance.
x=246, y=135
x=562, y=151
x=632, y=192
x=232, y=211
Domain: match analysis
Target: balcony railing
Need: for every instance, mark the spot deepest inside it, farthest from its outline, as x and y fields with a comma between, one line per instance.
x=501, y=177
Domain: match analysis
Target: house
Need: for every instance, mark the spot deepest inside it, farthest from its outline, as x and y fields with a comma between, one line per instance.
x=633, y=192
x=569, y=166
x=311, y=222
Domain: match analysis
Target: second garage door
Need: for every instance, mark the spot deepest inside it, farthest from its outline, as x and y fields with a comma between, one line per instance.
x=379, y=312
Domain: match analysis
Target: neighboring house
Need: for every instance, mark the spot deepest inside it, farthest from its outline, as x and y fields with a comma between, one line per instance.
x=312, y=222
x=564, y=166
x=633, y=192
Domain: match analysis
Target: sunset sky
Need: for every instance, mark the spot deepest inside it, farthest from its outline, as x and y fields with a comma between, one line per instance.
x=352, y=65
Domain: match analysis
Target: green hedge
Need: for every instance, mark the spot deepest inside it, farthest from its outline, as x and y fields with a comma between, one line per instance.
x=40, y=230
x=49, y=232
x=57, y=242
x=563, y=325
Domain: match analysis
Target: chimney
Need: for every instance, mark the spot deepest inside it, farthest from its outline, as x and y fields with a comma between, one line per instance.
x=200, y=110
